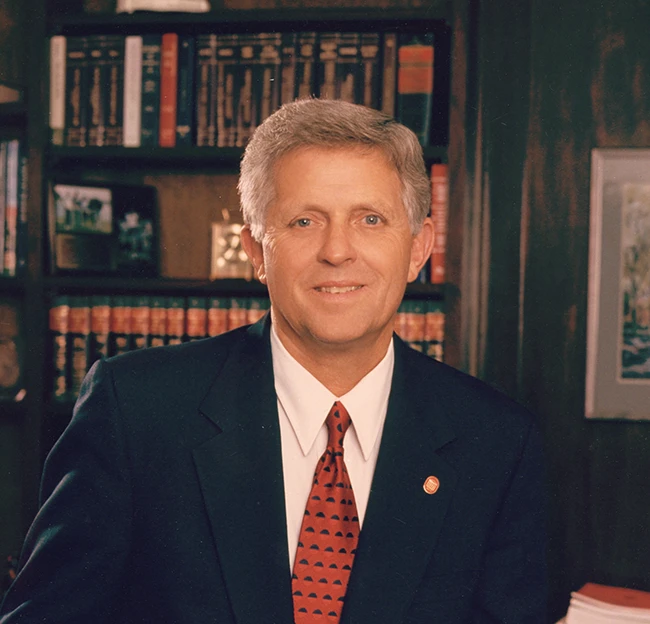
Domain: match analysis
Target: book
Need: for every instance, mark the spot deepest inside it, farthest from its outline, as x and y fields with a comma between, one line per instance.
x=257, y=307
x=59, y=325
x=415, y=56
x=603, y=604
x=439, y=215
x=132, y=91
x=11, y=350
x=206, y=90
x=114, y=105
x=97, y=52
x=120, y=338
x=218, y=315
x=328, y=44
x=237, y=313
x=369, y=78
x=305, y=80
x=389, y=74
x=77, y=94
x=22, y=237
x=247, y=102
x=186, y=88
x=3, y=200
x=348, y=68
x=150, y=97
x=175, y=326
x=57, y=88
x=434, y=330
x=180, y=6
x=228, y=76
x=78, y=341
x=288, y=67
x=12, y=195
x=157, y=321
x=140, y=322
x=100, y=326
x=196, y=318
x=168, y=90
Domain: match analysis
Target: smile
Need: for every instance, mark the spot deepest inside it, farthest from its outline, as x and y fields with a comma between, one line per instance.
x=336, y=290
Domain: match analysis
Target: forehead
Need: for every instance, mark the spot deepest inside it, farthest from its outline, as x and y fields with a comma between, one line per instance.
x=339, y=161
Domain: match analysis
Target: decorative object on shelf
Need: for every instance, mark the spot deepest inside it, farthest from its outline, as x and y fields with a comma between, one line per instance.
x=228, y=258
x=104, y=229
x=618, y=324
x=10, y=93
x=11, y=351
x=179, y=6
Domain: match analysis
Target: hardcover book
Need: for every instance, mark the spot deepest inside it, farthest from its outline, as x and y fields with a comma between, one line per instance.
x=415, y=83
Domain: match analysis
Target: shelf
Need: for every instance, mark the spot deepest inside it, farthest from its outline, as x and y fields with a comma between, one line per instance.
x=12, y=113
x=11, y=285
x=356, y=18
x=152, y=157
x=70, y=284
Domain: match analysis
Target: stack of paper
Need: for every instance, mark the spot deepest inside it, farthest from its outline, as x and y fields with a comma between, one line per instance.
x=602, y=604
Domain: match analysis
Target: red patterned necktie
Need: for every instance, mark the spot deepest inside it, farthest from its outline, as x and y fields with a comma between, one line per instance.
x=329, y=533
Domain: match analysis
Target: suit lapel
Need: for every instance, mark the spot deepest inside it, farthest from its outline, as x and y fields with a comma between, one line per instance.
x=402, y=521
x=240, y=470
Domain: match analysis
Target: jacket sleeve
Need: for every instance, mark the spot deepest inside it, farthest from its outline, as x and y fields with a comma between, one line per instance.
x=74, y=557
x=513, y=583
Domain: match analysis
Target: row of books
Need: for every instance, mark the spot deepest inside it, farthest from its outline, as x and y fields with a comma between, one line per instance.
x=213, y=90
x=422, y=325
x=13, y=208
x=86, y=328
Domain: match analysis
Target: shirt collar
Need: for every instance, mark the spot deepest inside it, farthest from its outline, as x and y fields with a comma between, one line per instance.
x=306, y=401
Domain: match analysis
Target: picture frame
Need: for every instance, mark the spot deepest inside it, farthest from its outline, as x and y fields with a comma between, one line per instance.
x=98, y=228
x=618, y=315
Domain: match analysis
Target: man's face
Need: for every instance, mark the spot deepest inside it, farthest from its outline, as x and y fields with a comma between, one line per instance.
x=337, y=250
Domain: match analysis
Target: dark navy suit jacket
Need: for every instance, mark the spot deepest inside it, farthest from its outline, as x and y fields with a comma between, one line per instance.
x=163, y=501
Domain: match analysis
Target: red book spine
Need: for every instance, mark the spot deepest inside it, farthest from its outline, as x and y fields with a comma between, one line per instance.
x=439, y=211
x=168, y=90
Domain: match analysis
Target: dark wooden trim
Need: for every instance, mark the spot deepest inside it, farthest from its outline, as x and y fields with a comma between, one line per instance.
x=405, y=20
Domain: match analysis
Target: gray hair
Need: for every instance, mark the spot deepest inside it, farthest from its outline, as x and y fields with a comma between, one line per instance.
x=330, y=124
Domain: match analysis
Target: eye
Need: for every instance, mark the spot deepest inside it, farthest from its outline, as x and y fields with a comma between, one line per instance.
x=304, y=222
x=372, y=219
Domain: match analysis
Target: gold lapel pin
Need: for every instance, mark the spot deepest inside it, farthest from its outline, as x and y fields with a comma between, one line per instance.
x=431, y=485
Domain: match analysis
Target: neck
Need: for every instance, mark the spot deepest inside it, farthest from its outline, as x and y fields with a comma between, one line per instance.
x=338, y=367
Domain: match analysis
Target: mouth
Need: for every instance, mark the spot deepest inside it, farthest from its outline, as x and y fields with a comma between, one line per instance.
x=337, y=290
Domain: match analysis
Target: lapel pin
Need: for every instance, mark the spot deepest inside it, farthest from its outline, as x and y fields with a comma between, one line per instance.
x=431, y=485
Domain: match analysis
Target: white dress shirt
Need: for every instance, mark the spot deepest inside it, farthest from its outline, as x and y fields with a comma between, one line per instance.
x=303, y=405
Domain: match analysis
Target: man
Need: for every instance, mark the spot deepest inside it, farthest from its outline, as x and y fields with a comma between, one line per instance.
x=221, y=481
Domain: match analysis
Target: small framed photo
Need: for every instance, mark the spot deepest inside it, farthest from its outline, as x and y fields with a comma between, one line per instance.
x=228, y=258
x=618, y=322
x=98, y=228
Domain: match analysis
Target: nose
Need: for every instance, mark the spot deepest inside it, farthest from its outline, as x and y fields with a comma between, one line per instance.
x=337, y=245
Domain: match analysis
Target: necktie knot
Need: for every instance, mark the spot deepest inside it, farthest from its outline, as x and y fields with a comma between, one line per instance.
x=338, y=421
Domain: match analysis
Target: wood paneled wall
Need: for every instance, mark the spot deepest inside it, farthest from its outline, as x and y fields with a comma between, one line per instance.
x=563, y=76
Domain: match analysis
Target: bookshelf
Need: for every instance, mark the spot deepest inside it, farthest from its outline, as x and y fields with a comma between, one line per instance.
x=205, y=172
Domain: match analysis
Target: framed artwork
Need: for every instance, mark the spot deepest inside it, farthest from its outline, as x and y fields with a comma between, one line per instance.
x=618, y=321
x=101, y=228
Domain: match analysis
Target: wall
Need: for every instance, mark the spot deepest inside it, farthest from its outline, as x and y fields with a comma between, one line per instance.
x=563, y=77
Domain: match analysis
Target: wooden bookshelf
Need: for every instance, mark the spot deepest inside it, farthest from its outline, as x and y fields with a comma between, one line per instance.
x=178, y=173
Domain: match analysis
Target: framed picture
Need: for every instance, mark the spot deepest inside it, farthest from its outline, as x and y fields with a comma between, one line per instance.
x=618, y=322
x=97, y=228
x=228, y=258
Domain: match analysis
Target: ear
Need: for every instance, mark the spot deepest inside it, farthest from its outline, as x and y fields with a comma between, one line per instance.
x=421, y=247
x=254, y=252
